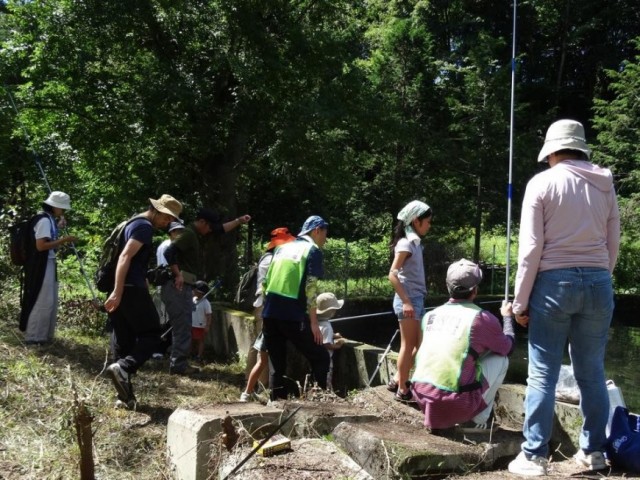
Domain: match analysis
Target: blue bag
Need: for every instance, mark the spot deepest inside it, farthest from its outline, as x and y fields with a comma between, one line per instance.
x=623, y=444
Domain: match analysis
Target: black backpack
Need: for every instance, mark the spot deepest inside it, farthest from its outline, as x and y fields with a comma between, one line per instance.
x=248, y=284
x=19, y=237
x=105, y=275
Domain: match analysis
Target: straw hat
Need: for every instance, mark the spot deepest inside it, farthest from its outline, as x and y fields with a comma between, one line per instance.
x=564, y=135
x=59, y=200
x=279, y=236
x=169, y=205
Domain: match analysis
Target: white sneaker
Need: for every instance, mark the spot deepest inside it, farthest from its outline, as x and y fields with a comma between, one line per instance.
x=592, y=461
x=533, y=467
x=245, y=397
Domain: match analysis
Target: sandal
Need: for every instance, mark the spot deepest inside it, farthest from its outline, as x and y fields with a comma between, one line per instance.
x=392, y=386
x=404, y=397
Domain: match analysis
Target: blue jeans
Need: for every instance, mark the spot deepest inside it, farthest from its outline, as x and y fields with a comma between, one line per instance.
x=574, y=305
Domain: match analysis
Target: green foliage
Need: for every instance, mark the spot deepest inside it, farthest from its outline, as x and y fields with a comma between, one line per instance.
x=618, y=123
x=627, y=272
x=284, y=109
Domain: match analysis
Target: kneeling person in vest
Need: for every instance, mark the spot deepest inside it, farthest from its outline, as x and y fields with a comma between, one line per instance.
x=290, y=305
x=462, y=359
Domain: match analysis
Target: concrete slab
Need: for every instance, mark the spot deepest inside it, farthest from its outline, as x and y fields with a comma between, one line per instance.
x=308, y=459
x=389, y=451
x=191, y=434
x=509, y=411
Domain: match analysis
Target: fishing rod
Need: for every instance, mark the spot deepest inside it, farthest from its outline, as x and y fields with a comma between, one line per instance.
x=383, y=314
x=342, y=319
x=511, y=129
x=382, y=357
x=49, y=190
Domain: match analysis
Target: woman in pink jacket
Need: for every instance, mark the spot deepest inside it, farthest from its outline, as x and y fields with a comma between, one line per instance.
x=569, y=239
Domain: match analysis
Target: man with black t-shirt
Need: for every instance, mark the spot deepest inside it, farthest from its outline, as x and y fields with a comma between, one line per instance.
x=131, y=310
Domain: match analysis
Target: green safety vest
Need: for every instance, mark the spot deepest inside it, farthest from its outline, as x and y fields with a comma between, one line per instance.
x=446, y=343
x=287, y=269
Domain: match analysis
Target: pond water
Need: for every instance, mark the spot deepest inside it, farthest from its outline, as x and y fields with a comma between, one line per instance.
x=622, y=363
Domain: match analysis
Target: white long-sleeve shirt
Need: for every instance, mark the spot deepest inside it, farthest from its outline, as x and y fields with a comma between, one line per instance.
x=570, y=218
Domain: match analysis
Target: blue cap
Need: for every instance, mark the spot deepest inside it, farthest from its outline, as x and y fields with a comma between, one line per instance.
x=313, y=222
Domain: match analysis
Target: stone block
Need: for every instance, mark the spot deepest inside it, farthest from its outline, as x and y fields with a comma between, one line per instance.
x=191, y=434
x=390, y=451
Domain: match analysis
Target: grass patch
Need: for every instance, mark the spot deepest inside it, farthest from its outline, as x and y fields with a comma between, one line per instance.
x=37, y=438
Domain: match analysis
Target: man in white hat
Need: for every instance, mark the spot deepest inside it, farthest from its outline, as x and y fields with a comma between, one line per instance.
x=462, y=359
x=569, y=240
x=135, y=320
x=39, y=303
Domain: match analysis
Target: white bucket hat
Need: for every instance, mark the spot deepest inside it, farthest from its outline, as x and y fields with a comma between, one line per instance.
x=564, y=134
x=326, y=302
x=59, y=200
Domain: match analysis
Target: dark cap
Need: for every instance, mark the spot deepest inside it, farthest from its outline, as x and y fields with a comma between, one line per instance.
x=201, y=286
x=463, y=276
x=211, y=217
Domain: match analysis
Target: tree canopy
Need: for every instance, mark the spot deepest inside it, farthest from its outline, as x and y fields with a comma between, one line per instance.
x=283, y=109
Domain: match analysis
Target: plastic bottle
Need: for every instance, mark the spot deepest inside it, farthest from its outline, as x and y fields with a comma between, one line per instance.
x=615, y=400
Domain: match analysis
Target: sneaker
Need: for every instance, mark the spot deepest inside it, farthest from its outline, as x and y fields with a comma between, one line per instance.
x=592, y=461
x=528, y=467
x=157, y=356
x=121, y=381
x=245, y=397
x=392, y=386
x=128, y=405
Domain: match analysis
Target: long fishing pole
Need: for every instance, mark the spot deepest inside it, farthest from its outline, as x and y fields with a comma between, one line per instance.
x=511, y=129
x=49, y=190
x=384, y=314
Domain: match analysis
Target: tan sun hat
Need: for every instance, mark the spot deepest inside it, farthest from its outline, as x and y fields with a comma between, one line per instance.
x=564, y=135
x=59, y=200
x=169, y=205
x=327, y=301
